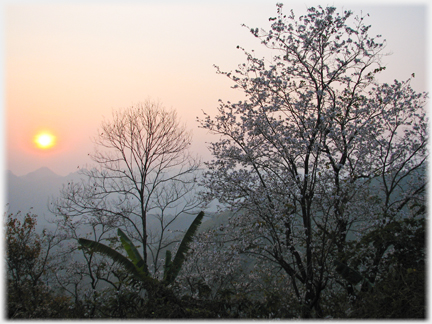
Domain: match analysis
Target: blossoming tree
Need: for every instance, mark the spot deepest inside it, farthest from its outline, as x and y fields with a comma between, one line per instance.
x=319, y=154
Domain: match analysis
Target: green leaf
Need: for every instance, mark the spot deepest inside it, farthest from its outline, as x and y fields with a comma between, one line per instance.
x=176, y=265
x=168, y=264
x=113, y=254
x=149, y=283
x=133, y=253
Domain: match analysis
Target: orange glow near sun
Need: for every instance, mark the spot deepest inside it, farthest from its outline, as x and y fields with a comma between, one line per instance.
x=44, y=140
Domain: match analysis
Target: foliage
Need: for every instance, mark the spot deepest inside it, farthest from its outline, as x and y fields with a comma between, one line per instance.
x=136, y=265
x=159, y=297
x=172, y=269
x=29, y=266
x=138, y=262
x=400, y=286
x=131, y=266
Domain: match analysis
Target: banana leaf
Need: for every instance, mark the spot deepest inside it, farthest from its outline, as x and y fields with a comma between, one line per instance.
x=133, y=253
x=174, y=267
x=149, y=283
x=168, y=263
x=113, y=254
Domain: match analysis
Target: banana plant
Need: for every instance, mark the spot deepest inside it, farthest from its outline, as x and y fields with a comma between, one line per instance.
x=136, y=265
x=133, y=253
x=137, y=273
x=172, y=268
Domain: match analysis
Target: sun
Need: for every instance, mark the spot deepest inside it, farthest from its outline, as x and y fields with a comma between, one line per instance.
x=44, y=140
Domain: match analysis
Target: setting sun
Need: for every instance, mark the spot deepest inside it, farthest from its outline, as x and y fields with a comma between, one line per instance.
x=44, y=140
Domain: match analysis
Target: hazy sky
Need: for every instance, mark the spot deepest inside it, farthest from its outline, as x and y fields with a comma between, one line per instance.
x=66, y=65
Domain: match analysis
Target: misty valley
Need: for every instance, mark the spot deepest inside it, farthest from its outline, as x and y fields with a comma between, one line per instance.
x=312, y=205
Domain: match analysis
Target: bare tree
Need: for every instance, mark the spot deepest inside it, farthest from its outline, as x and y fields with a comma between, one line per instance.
x=144, y=174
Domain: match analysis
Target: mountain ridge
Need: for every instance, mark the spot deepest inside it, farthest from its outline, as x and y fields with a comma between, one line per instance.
x=32, y=192
x=41, y=173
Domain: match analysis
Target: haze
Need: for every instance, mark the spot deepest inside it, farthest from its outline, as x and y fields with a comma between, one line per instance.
x=68, y=65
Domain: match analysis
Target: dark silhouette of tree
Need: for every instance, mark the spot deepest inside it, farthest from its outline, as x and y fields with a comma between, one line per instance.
x=143, y=173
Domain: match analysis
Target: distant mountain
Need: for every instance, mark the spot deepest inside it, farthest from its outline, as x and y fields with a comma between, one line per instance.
x=33, y=191
x=41, y=174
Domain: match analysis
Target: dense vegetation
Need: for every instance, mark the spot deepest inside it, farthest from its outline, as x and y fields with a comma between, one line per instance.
x=33, y=293
x=320, y=177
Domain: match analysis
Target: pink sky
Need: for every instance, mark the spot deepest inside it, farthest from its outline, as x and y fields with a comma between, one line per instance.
x=68, y=65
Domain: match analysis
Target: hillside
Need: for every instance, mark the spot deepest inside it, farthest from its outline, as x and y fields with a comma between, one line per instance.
x=33, y=192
